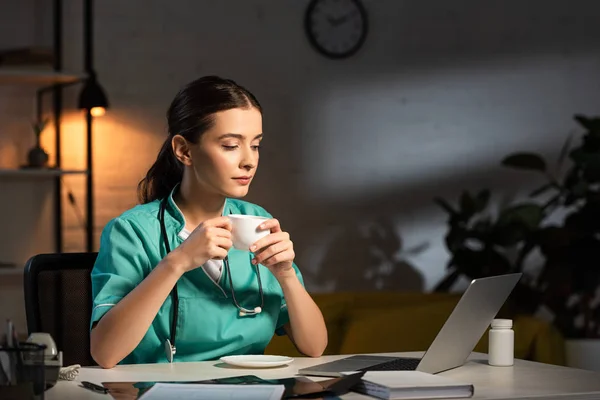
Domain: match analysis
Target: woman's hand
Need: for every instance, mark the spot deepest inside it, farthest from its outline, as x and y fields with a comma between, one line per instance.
x=211, y=240
x=275, y=251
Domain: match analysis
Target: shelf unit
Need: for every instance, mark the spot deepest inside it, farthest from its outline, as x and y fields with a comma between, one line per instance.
x=46, y=76
x=38, y=173
x=35, y=76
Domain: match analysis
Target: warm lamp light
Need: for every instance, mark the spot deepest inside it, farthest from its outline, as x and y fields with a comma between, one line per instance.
x=98, y=111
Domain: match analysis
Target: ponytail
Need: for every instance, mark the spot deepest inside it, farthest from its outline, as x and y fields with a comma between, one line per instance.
x=162, y=177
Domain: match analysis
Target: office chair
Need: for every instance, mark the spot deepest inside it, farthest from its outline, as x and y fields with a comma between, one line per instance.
x=58, y=301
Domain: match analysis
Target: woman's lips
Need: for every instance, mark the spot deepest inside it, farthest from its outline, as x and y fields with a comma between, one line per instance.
x=243, y=180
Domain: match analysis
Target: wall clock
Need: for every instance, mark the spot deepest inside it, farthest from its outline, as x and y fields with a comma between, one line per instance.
x=336, y=28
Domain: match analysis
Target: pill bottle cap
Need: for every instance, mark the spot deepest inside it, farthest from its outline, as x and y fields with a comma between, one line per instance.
x=502, y=323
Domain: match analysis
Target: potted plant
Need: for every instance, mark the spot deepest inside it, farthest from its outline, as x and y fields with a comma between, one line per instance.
x=554, y=232
x=37, y=156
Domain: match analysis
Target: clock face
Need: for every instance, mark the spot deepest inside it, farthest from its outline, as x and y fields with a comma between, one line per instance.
x=336, y=28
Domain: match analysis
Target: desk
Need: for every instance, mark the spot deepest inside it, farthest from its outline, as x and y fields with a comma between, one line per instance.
x=524, y=380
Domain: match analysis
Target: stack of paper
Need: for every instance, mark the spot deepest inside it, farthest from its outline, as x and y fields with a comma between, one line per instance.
x=191, y=391
x=411, y=385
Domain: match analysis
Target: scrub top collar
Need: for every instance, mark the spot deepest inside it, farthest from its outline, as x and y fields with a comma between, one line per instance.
x=177, y=220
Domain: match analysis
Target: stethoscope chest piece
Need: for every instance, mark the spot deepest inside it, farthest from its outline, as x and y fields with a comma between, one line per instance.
x=244, y=311
x=170, y=350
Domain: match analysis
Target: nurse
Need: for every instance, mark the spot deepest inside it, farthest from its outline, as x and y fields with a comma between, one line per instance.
x=167, y=284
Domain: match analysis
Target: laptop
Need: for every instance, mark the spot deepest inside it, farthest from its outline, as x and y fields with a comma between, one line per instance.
x=452, y=345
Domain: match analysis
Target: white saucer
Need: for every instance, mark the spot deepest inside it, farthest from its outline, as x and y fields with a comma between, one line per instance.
x=257, y=361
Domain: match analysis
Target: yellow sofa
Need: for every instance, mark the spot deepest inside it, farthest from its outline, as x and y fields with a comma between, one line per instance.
x=373, y=322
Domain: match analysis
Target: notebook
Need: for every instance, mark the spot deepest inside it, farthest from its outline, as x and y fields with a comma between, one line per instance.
x=411, y=385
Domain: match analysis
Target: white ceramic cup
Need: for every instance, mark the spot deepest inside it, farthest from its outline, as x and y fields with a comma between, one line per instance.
x=245, y=231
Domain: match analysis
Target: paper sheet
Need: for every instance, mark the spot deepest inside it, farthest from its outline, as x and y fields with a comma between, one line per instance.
x=191, y=391
x=5, y=369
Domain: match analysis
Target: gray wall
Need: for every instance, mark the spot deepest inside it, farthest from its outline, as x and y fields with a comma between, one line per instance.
x=439, y=93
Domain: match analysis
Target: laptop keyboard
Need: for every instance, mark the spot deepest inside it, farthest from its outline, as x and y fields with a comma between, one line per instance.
x=400, y=364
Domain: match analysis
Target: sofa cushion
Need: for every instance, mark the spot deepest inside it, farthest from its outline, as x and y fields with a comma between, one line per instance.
x=394, y=329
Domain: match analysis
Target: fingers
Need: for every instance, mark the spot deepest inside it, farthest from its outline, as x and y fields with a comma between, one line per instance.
x=286, y=255
x=219, y=222
x=222, y=242
x=269, y=240
x=271, y=224
x=274, y=250
x=218, y=253
x=218, y=232
x=218, y=247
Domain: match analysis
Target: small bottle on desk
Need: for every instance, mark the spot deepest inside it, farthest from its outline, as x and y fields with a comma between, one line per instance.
x=501, y=343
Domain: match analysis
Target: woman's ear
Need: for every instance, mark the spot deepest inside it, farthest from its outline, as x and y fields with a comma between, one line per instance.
x=181, y=149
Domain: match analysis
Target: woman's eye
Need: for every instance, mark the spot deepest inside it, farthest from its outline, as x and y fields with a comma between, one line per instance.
x=229, y=147
x=256, y=147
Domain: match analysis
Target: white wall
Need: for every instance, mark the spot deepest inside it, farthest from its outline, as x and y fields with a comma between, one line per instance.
x=439, y=93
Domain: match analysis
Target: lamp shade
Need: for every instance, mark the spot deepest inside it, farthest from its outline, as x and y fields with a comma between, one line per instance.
x=93, y=97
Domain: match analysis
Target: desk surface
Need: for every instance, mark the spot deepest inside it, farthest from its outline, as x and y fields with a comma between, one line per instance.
x=524, y=380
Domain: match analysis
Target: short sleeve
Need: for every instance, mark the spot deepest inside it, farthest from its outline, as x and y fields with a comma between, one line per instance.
x=119, y=268
x=284, y=317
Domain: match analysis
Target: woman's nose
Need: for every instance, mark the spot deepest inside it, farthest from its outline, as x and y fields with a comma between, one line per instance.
x=249, y=159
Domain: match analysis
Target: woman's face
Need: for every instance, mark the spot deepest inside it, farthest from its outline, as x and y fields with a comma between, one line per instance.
x=225, y=158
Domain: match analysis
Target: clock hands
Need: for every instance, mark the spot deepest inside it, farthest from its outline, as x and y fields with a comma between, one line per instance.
x=335, y=21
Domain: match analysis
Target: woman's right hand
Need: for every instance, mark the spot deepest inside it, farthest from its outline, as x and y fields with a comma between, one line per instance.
x=211, y=240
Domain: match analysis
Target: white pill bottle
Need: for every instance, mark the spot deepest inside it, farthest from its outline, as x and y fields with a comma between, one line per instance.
x=501, y=346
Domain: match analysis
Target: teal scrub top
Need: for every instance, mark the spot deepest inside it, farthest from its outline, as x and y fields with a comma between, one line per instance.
x=209, y=325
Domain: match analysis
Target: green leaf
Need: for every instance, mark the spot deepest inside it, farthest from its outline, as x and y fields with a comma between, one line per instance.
x=588, y=162
x=591, y=124
x=527, y=215
x=467, y=204
x=455, y=239
x=482, y=200
x=507, y=236
x=515, y=223
x=527, y=161
x=564, y=151
x=580, y=188
x=579, y=156
x=445, y=205
x=482, y=227
x=591, y=171
x=552, y=202
x=541, y=190
x=583, y=121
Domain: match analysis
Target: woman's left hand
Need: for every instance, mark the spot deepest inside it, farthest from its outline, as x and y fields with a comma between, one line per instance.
x=275, y=251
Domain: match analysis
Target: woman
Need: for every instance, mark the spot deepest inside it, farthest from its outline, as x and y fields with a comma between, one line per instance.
x=167, y=284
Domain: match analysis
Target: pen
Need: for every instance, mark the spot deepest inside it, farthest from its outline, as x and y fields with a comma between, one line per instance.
x=94, y=387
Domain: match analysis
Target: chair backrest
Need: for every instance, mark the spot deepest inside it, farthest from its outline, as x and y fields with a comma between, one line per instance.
x=58, y=301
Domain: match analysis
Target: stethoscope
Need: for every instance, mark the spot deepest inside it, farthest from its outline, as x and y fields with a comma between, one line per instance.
x=170, y=349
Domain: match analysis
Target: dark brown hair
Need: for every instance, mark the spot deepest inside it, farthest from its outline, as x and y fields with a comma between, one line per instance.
x=190, y=114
